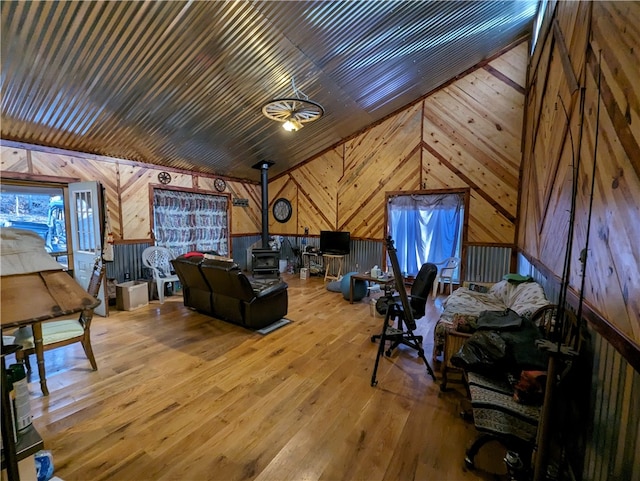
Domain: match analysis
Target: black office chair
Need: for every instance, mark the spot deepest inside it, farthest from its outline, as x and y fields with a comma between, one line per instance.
x=405, y=309
x=420, y=290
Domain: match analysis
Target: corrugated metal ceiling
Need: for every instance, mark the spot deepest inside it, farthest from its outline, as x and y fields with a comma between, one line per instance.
x=181, y=84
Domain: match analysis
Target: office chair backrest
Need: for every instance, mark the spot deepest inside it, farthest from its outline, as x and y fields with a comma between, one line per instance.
x=421, y=288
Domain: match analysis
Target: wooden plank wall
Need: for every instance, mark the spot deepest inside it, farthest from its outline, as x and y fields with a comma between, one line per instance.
x=578, y=116
x=583, y=109
x=466, y=134
x=128, y=186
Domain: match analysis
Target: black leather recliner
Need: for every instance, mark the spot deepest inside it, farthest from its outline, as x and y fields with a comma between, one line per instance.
x=195, y=289
x=220, y=289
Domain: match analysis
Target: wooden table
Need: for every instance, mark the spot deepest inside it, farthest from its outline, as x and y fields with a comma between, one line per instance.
x=388, y=279
x=29, y=299
x=332, y=262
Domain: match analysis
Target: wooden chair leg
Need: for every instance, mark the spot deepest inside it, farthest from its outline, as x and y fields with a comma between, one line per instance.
x=86, y=345
x=21, y=357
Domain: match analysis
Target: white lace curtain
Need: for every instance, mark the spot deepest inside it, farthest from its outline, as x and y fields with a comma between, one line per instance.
x=188, y=221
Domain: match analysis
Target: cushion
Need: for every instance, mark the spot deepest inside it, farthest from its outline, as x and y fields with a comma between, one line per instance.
x=53, y=331
x=527, y=298
x=464, y=301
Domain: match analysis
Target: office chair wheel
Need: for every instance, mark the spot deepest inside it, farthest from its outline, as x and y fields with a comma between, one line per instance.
x=388, y=352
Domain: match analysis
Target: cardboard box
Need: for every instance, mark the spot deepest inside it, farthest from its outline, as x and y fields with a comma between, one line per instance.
x=132, y=295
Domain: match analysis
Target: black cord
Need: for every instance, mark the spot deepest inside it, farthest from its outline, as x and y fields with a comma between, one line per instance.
x=593, y=181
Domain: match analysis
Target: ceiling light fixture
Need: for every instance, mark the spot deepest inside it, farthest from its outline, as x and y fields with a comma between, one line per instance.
x=293, y=112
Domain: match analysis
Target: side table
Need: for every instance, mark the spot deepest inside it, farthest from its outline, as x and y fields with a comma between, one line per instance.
x=333, y=266
x=366, y=277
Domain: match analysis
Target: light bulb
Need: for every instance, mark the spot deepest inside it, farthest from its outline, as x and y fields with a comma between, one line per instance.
x=291, y=125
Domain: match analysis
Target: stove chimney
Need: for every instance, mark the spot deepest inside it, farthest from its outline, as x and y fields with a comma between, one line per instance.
x=263, y=166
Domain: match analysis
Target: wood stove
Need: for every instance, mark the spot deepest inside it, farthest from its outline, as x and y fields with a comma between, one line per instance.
x=265, y=261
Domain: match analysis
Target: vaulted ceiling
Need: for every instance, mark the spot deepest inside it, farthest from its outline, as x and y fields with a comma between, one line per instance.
x=182, y=84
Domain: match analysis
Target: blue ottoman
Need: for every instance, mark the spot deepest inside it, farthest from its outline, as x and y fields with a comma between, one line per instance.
x=359, y=287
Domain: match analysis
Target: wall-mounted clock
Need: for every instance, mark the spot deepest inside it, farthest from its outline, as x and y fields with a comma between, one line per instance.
x=220, y=184
x=282, y=210
x=164, y=177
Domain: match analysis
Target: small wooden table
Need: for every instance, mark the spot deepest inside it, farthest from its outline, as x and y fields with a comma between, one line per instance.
x=332, y=262
x=388, y=279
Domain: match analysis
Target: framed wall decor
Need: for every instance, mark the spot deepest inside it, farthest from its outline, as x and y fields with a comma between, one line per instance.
x=282, y=210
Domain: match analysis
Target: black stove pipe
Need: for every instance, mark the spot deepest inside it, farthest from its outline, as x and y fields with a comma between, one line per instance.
x=265, y=207
x=264, y=167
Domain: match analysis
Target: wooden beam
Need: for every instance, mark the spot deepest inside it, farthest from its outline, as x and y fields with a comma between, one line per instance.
x=565, y=57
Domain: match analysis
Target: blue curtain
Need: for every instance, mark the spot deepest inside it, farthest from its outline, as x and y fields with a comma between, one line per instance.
x=425, y=228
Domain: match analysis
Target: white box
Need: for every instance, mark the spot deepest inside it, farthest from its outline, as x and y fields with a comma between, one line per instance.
x=304, y=273
x=132, y=295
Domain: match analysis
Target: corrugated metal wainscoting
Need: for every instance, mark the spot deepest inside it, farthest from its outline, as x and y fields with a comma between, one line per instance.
x=127, y=260
x=363, y=256
x=484, y=264
x=487, y=263
x=604, y=435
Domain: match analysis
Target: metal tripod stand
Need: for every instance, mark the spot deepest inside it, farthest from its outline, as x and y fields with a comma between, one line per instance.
x=403, y=332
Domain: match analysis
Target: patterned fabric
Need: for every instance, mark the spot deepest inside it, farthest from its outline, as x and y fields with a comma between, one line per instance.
x=496, y=412
x=189, y=221
x=465, y=323
x=524, y=298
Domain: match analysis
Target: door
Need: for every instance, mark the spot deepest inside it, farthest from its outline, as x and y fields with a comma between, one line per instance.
x=85, y=209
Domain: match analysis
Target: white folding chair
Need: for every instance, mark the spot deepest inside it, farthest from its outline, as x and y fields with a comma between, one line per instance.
x=157, y=259
x=445, y=275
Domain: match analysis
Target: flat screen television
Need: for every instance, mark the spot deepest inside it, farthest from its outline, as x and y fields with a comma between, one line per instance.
x=332, y=242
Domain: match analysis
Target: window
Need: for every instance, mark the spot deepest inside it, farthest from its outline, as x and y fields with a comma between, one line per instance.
x=37, y=208
x=189, y=221
x=426, y=228
x=83, y=211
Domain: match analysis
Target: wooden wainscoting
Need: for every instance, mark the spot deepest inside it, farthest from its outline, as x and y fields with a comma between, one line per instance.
x=180, y=395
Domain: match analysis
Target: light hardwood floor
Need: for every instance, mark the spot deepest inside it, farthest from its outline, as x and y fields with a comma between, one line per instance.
x=182, y=396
